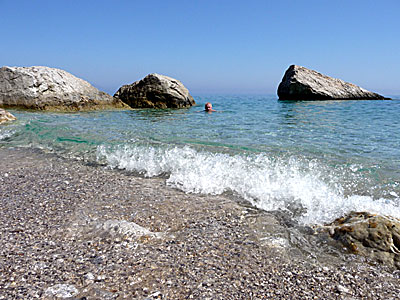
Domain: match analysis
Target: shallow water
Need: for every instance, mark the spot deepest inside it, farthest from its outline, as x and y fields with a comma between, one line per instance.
x=316, y=159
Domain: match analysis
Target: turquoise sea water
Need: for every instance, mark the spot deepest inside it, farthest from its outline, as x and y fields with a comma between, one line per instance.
x=314, y=159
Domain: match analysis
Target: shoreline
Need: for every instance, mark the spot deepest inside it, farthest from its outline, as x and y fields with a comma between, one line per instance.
x=114, y=236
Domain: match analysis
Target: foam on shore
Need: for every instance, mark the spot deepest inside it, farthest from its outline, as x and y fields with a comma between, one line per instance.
x=6, y=134
x=307, y=188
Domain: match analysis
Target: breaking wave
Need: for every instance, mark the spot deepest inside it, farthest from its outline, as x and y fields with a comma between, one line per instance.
x=313, y=192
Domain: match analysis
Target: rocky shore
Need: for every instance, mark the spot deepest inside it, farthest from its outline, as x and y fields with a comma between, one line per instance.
x=74, y=231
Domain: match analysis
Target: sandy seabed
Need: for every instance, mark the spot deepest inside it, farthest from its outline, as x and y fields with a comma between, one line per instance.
x=74, y=231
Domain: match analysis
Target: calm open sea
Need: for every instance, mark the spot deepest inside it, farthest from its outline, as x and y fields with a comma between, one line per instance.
x=315, y=159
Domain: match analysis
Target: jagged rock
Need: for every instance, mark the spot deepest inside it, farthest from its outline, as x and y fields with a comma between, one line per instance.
x=5, y=116
x=155, y=91
x=300, y=83
x=377, y=237
x=47, y=88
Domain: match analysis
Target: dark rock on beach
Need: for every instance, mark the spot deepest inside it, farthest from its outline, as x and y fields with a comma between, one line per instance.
x=5, y=116
x=45, y=88
x=155, y=91
x=300, y=83
x=377, y=237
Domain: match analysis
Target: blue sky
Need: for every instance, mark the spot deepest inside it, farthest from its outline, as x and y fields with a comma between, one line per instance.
x=211, y=46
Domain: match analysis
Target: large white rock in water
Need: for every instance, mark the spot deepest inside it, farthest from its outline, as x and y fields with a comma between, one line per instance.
x=155, y=91
x=300, y=83
x=5, y=116
x=47, y=88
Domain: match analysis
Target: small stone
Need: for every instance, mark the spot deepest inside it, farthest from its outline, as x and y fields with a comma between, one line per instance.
x=100, y=278
x=155, y=295
x=89, y=276
x=61, y=291
x=341, y=289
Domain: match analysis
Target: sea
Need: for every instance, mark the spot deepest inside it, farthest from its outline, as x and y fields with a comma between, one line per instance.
x=315, y=160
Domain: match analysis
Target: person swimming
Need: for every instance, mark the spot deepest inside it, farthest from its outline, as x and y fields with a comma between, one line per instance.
x=208, y=107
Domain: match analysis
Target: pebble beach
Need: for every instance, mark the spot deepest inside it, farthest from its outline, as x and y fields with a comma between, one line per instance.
x=76, y=231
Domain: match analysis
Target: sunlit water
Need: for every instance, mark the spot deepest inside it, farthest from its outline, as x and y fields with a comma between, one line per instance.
x=316, y=159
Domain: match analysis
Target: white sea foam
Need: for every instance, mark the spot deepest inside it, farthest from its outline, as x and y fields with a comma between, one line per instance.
x=5, y=134
x=270, y=184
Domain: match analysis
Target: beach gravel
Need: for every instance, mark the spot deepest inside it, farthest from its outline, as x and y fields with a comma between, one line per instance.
x=75, y=231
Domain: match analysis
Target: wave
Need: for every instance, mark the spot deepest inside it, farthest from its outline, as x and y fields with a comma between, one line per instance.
x=6, y=134
x=304, y=187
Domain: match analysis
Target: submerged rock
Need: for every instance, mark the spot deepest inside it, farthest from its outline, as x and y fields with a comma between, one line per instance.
x=61, y=291
x=155, y=91
x=47, y=88
x=5, y=116
x=128, y=230
x=377, y=237
x=300, y=83
x=112, y=229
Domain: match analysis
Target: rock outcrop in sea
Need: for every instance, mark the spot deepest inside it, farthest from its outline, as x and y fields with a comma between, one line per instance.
x=45, y=88
x=300, y=83
x=374, y=236
x=155, y=91
x=5, y=116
